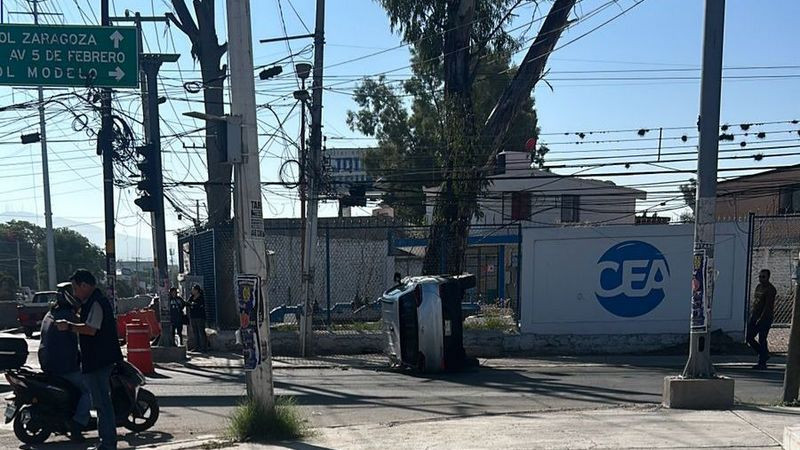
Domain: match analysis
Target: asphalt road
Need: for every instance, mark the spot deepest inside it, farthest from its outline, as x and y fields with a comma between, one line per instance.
x=197, y=397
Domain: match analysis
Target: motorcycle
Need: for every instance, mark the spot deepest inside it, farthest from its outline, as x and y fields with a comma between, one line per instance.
x=43, y=404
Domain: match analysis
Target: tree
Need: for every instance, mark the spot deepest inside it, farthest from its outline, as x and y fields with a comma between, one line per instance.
x=30, y=238
x=450, y=37
x=411, y=140
x=73, y=251
x=202, y=33
x=689, y=191
x=206, y=49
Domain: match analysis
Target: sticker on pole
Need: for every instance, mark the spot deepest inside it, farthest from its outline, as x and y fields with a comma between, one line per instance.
x=248, y=299
x=698, y=321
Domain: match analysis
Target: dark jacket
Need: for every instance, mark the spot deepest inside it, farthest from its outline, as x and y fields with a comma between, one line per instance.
x=102, y=349
x=176, y=305
x=197, y=307
x=58, y=350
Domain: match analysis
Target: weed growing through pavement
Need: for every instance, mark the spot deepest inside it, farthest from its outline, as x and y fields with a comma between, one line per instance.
x=251, y=421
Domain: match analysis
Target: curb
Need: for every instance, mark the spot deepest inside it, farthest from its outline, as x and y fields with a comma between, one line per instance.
x=200, y=442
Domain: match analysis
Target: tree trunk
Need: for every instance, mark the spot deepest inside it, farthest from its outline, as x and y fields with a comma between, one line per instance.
x=451, y=216
x=205, y=47
x=457, y=203
x=529, y=72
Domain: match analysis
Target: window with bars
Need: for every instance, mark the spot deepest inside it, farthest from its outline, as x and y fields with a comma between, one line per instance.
x=570, y=209
x=520, y=206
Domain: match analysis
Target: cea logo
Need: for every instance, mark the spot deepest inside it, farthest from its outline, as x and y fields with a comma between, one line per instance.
x=632, y=278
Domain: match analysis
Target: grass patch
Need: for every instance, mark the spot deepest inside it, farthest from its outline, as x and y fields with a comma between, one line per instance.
x=491, y=318
x=213, y=445
x=358, y=326
x=250, y=421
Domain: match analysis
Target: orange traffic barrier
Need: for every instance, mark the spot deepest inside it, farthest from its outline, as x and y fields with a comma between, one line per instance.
x=139, y=352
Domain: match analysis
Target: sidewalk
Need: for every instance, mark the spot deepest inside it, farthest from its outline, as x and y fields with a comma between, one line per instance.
x=633, y=427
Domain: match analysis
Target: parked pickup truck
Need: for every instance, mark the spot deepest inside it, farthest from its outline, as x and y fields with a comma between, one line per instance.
x=30, y=314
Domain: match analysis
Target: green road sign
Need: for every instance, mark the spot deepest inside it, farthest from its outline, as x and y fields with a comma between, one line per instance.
x=68, y=56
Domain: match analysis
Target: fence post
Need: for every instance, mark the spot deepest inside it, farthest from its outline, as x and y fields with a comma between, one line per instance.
x=751, y=219
x=518, y=306
x=328, y=270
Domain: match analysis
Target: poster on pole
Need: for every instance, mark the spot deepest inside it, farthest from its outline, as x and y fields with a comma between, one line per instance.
x=699, y=310
x=248, y=299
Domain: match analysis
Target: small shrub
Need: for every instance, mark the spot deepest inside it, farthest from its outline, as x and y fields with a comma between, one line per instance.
x=251, y=421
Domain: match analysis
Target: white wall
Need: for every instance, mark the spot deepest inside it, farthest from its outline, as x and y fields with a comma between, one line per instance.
x=561, y=273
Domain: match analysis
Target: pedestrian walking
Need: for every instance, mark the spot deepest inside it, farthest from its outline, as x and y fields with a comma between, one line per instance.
x=99, y=346
x=176, y=314
x=197, y=318
x=59, y=356
x=762, y=312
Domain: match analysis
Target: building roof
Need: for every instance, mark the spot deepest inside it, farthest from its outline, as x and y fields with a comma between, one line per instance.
x=765, y=174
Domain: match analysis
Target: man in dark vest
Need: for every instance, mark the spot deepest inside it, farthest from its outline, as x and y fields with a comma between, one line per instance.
x=58, y=355
x=99, y=344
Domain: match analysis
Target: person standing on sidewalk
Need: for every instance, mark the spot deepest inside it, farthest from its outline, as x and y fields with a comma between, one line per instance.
x=58, y=355
x=197, y=318
x=176, y=306
x=99, y=345
x=762, y=313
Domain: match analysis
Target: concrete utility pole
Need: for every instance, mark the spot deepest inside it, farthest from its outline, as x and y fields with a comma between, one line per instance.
x=150, y=66
x=699, y=364
x=791, y=379
x=105, y=144
x=699, y=387
x=250, y=244
x=314, y=180
x=48, y=210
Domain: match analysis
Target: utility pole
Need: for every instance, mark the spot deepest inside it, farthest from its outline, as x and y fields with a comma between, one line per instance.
x=150, y=66
x=791, y=379
x=699, y=387
x=314, y=179
x=699, y=363
x=249, y=218
x=48, y=210
x=105, y=144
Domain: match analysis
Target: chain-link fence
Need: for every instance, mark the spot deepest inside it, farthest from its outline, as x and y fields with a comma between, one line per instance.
x=356, y=260
x=775, y=245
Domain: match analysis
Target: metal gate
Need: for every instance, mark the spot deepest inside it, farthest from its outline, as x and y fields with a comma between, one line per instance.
x=774, y=245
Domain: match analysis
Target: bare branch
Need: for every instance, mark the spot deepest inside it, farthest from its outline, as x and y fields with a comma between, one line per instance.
x=184, y=20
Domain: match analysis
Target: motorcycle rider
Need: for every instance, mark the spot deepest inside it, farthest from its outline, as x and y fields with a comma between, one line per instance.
x=99, y=345
x=58, y=356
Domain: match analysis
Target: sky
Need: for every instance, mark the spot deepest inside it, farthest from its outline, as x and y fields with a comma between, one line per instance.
x=612, y=71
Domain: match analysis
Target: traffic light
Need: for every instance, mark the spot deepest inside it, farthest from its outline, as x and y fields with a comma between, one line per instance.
x=357, y=196
x=273, y=71
x=148, y=185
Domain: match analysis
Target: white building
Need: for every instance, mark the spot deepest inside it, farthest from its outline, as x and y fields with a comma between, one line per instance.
x=347, y=165
x=519, y=194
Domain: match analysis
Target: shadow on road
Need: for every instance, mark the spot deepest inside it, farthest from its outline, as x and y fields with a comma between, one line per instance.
x=131, y=440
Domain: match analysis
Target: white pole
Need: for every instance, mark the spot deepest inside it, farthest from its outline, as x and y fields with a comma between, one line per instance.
x=48, y=211
x=250, y=244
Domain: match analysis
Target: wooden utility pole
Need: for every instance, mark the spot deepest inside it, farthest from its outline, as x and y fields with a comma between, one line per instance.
x=791, y=379
x=248, y=211
x=314, y=177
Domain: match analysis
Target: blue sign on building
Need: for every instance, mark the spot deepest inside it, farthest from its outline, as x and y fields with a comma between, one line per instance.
x=632, y=276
